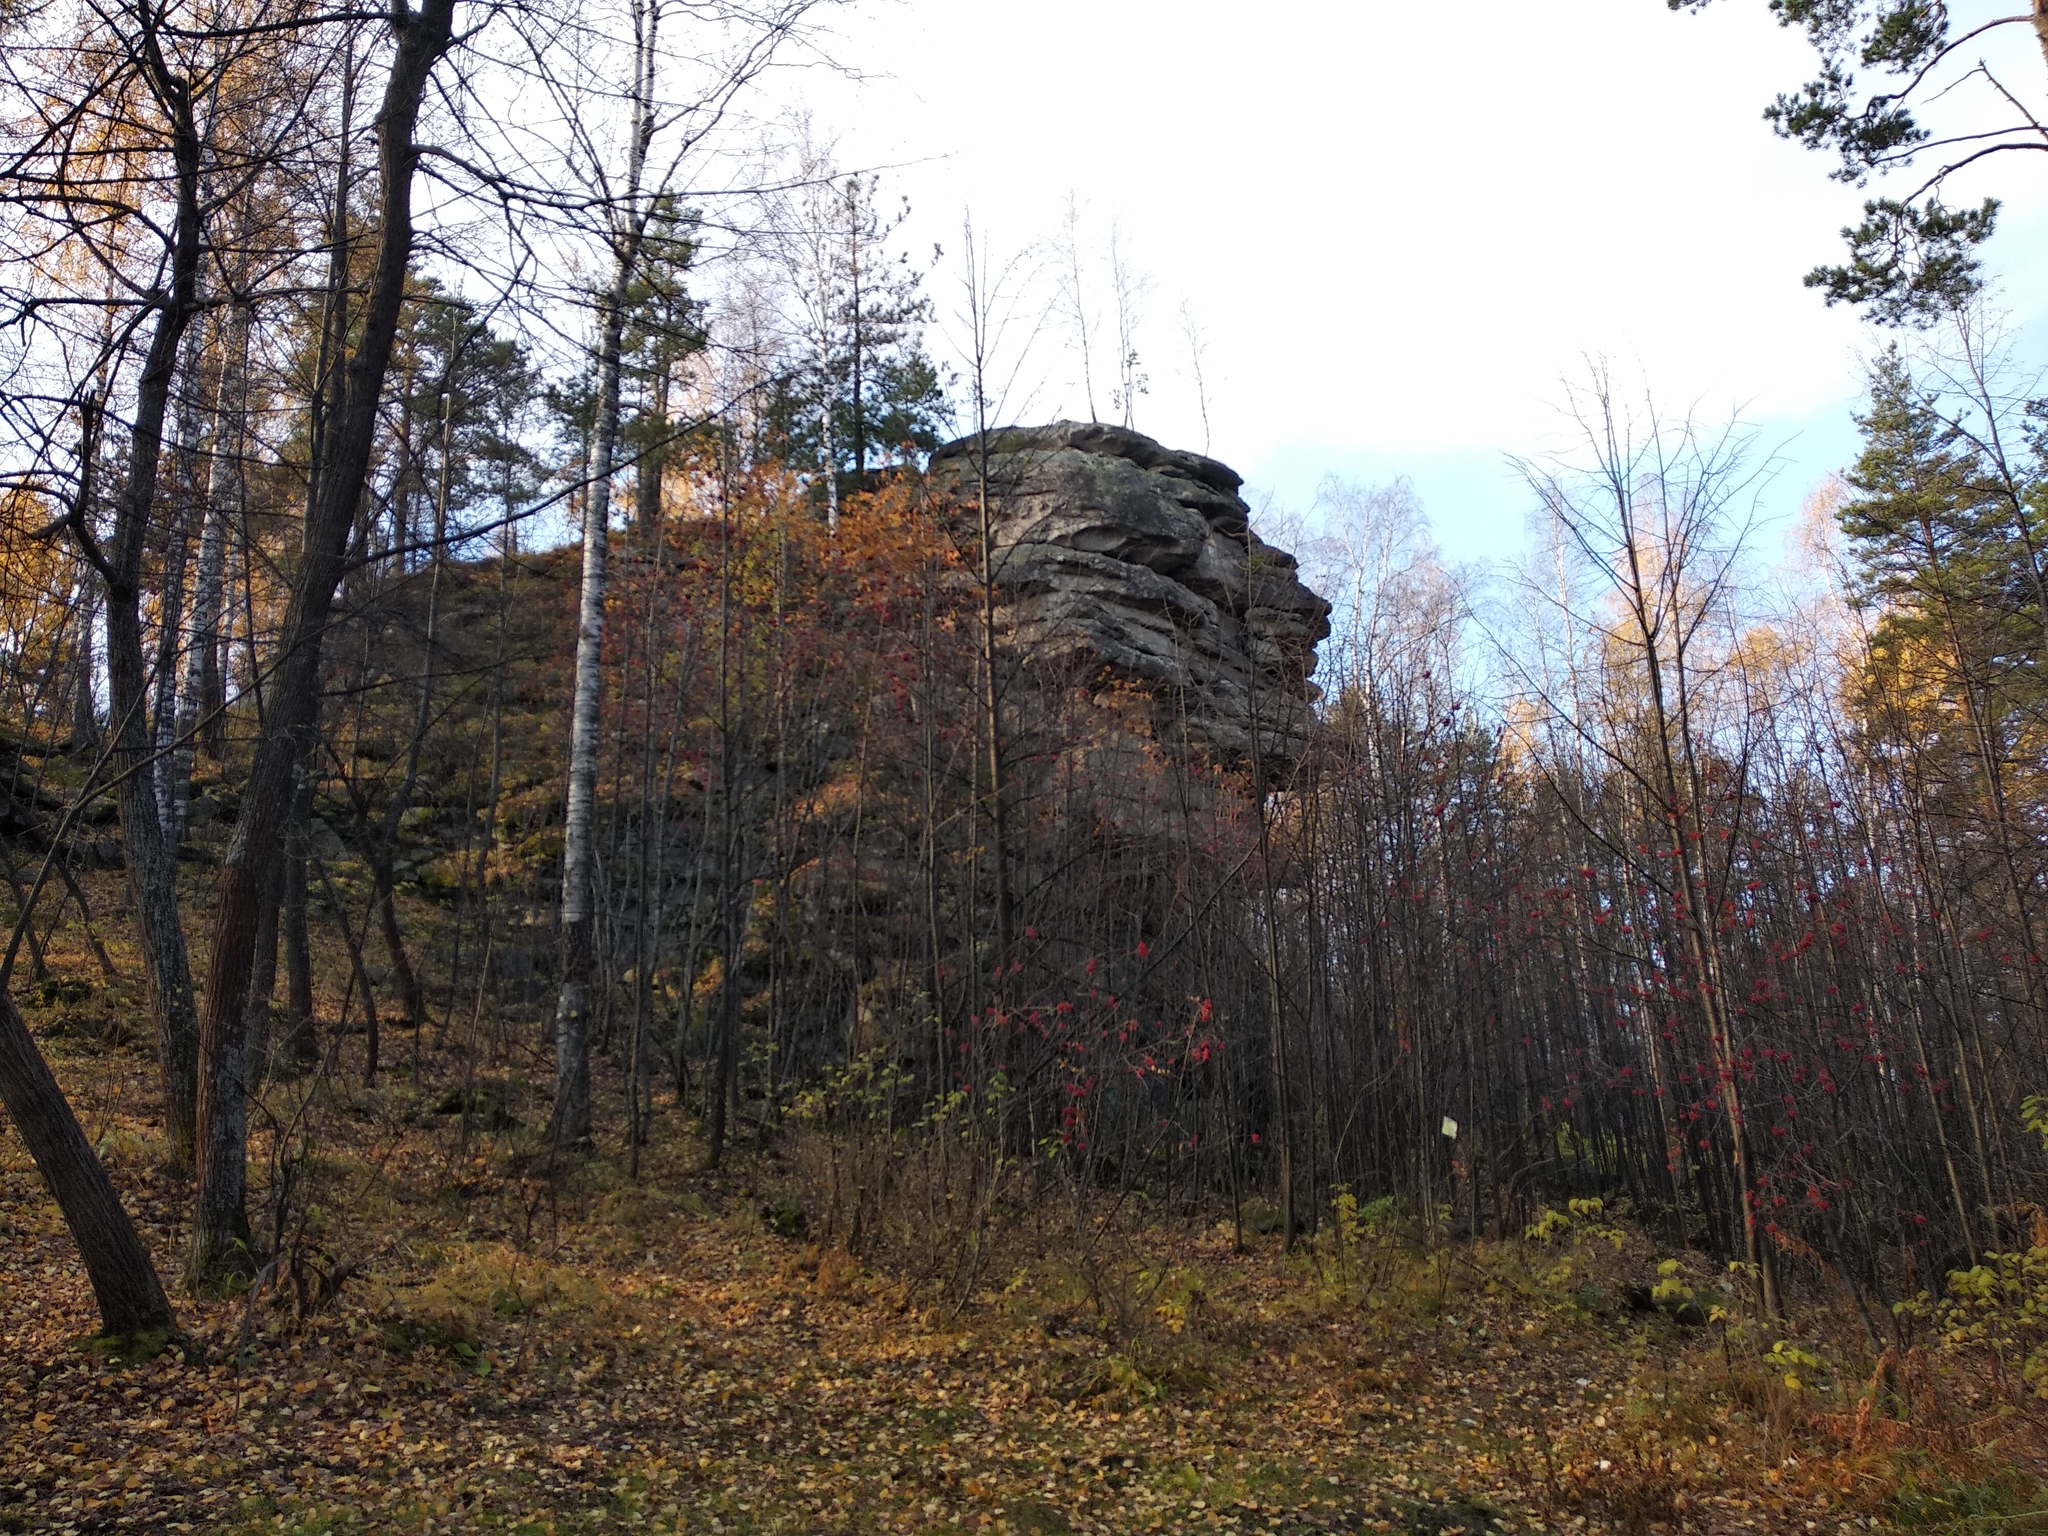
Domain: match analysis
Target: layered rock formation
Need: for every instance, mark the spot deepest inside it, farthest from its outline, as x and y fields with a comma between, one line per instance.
x=1117, y=556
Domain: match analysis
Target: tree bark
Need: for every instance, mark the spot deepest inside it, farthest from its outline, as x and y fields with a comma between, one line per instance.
x=199, y=700
x=220, y=1230
x=124, y=1283
x=725, y=1043
x=85, y=720
x=383, y=842
x=569, y=1123
x=185, y=511
x=263, y=979
x=410, y=1002
x=152, y=866
x=302, y=1044
x=653, y=464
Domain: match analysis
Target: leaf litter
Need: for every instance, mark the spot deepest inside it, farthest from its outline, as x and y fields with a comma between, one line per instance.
x=657, y=1357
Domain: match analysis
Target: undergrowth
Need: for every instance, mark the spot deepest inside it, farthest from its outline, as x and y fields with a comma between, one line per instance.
x=460, y=1329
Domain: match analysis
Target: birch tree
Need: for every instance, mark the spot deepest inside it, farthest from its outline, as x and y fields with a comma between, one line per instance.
x=1655, y=511
x=1073, y=296
x=1127, y=287
x=630, y=180
x=142, y=128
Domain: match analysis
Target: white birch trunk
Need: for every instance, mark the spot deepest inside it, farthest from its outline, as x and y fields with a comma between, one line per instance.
x=570, y=1121
x=223, y=464
x=186, y=498
x=825, y=413
x=85, y=718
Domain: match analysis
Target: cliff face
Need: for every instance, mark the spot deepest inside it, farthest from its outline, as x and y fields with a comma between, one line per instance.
x=1116, y=555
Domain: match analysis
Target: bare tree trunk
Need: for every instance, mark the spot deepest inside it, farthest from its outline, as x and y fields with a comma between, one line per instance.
x=263, y=980
x=85, y=720
x=124, y=1283
x=410, y=1002
x=220, y=1230
x=732, y=936
x=303, y=1046
x=569, y=1123
x=359, y=973
x=152, y=864
x=385, y=852
x=979, y=299
x=199, y=700
x=827, y=447
x=649, y=473
x=725, y=1044
x=186, y=508
x=1276, y=1009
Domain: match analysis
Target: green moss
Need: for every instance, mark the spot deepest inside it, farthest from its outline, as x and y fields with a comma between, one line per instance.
x=138, y=1348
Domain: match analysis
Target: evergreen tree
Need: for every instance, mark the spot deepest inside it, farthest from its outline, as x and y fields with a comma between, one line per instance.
x=872, y=397
x=664, y=326
x=1913, y=259
x=463, y=393
x=1933, y=532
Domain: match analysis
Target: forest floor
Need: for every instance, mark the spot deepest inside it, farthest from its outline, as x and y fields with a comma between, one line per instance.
x=475, y=1342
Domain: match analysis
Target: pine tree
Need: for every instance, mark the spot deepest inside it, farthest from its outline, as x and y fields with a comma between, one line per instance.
x=1930, y=528
x=871, y=395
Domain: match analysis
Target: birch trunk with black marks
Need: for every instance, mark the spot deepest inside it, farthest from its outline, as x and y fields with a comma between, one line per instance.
x=85, y=719
x=199, y=698
x=569, y=1123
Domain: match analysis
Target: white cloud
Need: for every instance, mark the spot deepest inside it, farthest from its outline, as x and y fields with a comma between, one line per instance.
x=1400, y=225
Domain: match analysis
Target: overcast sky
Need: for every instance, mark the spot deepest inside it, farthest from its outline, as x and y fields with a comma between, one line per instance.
x=1400, y=226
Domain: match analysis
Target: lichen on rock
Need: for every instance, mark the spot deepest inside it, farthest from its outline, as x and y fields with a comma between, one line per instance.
x=1114, y=553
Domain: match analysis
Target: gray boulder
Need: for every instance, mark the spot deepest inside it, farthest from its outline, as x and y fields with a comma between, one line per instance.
x=1116, y=555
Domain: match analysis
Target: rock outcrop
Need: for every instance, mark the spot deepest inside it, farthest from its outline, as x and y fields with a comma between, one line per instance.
x=1118, y=556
